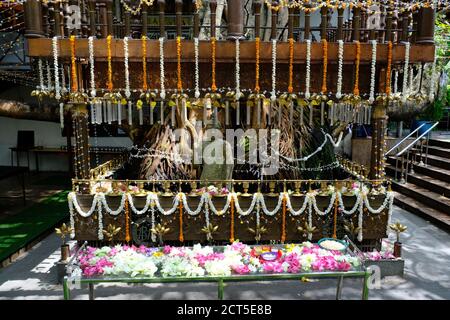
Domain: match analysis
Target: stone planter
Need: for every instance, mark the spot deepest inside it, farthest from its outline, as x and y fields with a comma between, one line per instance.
x=392, y=267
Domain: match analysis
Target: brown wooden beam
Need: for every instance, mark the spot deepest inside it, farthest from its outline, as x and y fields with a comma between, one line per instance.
x=226, y=52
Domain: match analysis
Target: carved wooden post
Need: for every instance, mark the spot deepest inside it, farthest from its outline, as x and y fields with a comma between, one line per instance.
x=51, y=19
x=178, y=13
x=257, y=9
x=213, y=7
x=356, y=23
x=162, y=32
x=235, y=19
x=414, y=31
x=127, y=21
x=92, y=28
x=324, y=22
x=425, y=26
x=291, y=23
x=196, y=30
x=307, y=34
x=33, y=19
x=388, y=36
x=103, y=19
x=84, y=27
x=57, y=19
x=109, y=15
x=340, y=24
x=273, y=34
x=46, y=25
x=82, y=144
x=144, y=19
x=405, y=26
x=381, y=33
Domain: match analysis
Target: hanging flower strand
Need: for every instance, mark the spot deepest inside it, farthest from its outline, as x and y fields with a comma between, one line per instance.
x=91, y=65
x=126, y=67
x=74, y=85
x=109, y=59
x=161, y=68
x=325, y=65
x=274, y=70
x=373, y=70
x=340, y=68
x=308, y=68
x=179, y=82
x=291, y=65
x=238, y=70
x=144, y=63
x=389, y=69
x=257, y=44
x=197, y=86
x=56, y=67
x=357, y=61
x=405, y=71
x=213, y=56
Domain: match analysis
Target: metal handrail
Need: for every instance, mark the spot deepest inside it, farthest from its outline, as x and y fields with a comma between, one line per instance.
x=404, y=139
x=417, y=139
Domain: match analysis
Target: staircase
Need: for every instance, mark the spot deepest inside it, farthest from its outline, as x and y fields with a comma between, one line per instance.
x=424, y=186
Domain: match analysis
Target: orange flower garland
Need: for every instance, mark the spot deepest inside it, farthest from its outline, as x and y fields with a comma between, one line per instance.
x=291, y=64
x=325, y=65
x=181, y=237
x=144, y=63
x=258, y=49
x=179, y=83
x=110, y=82
x=213, y=55
x=74, y=85
x=388, y=69
x=358, y=59
x=127, y=221
x=232, y=220
x=283, y=221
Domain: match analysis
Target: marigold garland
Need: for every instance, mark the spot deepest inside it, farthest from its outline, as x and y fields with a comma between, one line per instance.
x=357, y=61
x=213, y=55
x=388, y=69
x=283, y=221
x=144, y=63
x=325, y=65
x=179, y=82
x=74, y=85
x=291, y=64
x=232, y=220
x=181, y=237
x=258, y=49
x=127, y=221
x=110, y=81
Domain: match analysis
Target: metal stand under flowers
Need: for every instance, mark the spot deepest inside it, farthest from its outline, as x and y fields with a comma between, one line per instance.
x=75, y=279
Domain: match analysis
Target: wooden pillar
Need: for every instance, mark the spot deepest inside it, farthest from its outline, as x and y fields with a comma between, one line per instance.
x=356, y=23
x=213, y=7
x=81, y=122
x=324, y=22
x=291, y=23
x=92, y=28
x=235, y=19
x=196, y=23
x=33, y=19
x=405, y=27
x=425, y=26
x=307, y=34
x=388, y=36
x=57, y=19
x=162, y=5
x=257, y=9
x=379, y=120
x=102, y=11
x=45, y=22
x=178, y=14
x=144, y=19
x=340, y=24
x=109, y=17
x=273, y=33
x=414, y=28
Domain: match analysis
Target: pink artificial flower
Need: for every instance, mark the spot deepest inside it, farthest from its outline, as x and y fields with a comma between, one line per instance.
x=273, y=266
x=241, y=269
x=344, y=266
x=167, y=249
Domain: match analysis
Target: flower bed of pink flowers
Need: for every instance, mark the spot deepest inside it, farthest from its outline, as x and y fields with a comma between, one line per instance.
x=198, y=260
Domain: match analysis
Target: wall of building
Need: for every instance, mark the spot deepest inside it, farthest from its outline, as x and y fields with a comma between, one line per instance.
x=46, y=134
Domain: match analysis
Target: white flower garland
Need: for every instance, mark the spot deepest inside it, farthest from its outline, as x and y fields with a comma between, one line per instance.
x=277, y=207
x=310, y=204
x=100, y=221
x=396, y=81
x=433, y=71
x=308, y=69
x=161, y=67
x=147, y=205
x=238, y=70
x=312, y=198
x=119, y=209
x=197, y=86
x=302, y=208
x=251, y=207
x=340, y=67
x=213, y=207
x=127, y=70
x=49, y=76
x=273, y=96
x=56, y=67
x=373, y=72
x=199, y=207
x=91, y=65
x=152, y=209
x=405, y=71
x=357, y=204
x=73, y=200
x=41, y=74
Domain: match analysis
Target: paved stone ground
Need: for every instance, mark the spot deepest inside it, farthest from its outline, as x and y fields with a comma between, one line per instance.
x=427, y=276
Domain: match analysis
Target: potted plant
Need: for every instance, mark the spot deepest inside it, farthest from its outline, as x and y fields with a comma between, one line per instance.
x=398, y=228
x=64, y=231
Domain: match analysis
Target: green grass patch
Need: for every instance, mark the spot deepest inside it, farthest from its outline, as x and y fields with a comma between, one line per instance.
x=19, y=230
